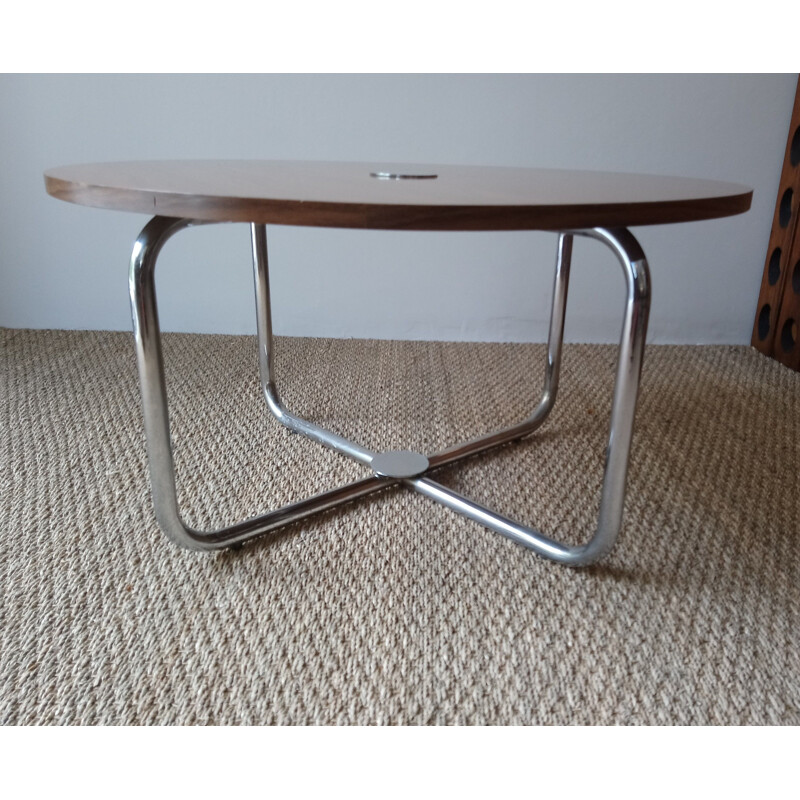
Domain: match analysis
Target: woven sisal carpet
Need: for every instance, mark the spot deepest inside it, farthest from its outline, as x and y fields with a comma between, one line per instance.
x=393, y=609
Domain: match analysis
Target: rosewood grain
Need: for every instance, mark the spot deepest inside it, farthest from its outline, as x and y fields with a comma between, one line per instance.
x=346, y=195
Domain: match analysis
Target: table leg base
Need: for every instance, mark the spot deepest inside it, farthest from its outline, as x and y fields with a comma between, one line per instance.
x=393, y=468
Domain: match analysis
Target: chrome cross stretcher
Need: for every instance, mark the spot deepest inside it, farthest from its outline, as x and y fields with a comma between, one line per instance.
x=412, y=470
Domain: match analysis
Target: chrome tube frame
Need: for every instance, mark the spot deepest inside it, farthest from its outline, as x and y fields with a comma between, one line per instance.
x=629, y=367
x=156, y=417
x=150, y=360
x=266, y=360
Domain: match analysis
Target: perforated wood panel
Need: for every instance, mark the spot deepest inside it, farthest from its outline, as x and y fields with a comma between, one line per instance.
x=775, y=329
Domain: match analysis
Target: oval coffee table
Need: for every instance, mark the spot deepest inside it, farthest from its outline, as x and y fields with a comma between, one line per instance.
x=180, y=194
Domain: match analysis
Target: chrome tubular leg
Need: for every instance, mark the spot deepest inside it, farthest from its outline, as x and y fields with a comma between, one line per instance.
x=156, y=416
x=455, y=453
x=552, y=369
x=629, y=365
x=266, y=360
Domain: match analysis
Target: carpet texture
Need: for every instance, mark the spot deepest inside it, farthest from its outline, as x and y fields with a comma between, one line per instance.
x=394, y=610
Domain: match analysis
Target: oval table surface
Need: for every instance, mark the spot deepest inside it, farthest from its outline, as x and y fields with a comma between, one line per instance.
x=394, y=196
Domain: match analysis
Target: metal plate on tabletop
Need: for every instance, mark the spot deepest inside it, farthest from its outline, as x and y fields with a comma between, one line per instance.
x=404, y=176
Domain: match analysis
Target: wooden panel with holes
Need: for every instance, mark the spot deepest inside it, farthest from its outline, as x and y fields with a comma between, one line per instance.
x=785, y=348
x=778, y=311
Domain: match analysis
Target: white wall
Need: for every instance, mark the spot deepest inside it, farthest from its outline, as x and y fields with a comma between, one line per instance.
x=64, y=266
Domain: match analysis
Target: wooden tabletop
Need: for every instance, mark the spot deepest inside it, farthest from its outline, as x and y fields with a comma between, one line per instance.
x=371, y=195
